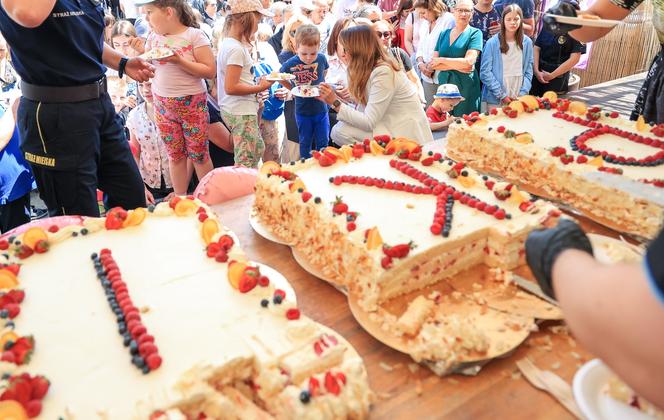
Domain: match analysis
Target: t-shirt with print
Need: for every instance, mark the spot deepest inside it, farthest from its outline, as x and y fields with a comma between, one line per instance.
x=483, y=21
x=153, y=163
x=170, y=80
x=527, y=6
x=434, y=115
x=657, y=14
x=307, y=74
x=233, y=52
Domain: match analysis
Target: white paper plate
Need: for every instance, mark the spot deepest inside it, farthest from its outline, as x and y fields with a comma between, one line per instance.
x=588, y=389
x=156, y=54
x=263, y=231
x=280, y=76
x=306, y=91
x=597, y=23
x=611, y=251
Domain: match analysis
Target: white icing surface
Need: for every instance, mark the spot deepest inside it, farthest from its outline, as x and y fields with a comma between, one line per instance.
x=549, y=132
x=397, y=223
x=193, y=313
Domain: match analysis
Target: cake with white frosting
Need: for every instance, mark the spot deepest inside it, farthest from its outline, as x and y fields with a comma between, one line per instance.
x=159, y=314
x=599, y=163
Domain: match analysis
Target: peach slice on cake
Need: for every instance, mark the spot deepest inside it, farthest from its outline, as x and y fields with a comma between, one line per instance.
x=517, y=106
x=376, y=149
x=296, y=185
x=337, y=153
x=235, y=272
x=347, y=152
x=8, y=279
x=269, y=167
x=135, y=217
x=374, y=240
x=641, y=124
x=12, y=410
x=551, y=96
x=209, y=229
x=530, y=101
x=578, y=107
x=185, y=207
x=34, y=235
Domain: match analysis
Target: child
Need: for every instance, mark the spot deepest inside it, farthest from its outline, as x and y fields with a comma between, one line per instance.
x=309, y=67
x=237, y=87
x=178, y=88
x=446, y=98
x=507, y=61
x=149, y=151
x=123, y=103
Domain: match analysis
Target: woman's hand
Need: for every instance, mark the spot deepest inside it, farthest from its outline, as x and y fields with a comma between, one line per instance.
x=343, y=93
x=540, y=77
x=426, y=69
x=264, y=84
x=327, y=93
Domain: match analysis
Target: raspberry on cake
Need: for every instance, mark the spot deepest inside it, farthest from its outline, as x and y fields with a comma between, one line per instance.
x=164, y=318
x=607, y=167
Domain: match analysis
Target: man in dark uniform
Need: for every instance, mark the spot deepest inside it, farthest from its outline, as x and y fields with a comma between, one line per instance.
x=68, y=127
x=554, y=57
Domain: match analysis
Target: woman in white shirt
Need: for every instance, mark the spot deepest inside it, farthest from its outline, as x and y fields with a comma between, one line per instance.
x=435, y=18
x=387, y=100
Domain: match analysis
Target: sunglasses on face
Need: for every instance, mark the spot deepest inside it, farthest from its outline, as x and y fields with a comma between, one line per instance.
x=386, y=34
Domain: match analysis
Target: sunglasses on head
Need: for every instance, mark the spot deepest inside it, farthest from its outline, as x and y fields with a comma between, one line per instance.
x=386, y=34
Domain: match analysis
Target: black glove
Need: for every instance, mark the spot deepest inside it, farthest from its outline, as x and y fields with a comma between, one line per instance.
x=544, y=246
x=563, y=8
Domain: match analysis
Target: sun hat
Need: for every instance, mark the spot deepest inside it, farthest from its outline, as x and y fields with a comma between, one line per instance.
x=244, y=6
x=448, y=91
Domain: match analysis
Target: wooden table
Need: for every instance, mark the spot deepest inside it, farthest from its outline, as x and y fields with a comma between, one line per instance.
x=498, y=391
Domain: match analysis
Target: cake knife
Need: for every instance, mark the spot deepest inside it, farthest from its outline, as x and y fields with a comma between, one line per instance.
x=533, y=288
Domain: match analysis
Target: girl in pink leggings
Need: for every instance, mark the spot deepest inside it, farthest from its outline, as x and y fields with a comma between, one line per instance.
x=178, y=87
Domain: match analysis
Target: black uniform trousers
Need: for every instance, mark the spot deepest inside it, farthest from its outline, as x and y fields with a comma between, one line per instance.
x=75, y=148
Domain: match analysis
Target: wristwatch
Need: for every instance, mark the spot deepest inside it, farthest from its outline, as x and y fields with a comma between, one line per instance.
x=336, y=104
x=122, y=66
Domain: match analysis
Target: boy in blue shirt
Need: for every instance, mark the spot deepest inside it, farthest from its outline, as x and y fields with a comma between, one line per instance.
x=309, y=68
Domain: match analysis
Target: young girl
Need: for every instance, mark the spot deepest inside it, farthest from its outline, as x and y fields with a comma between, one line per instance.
x=149, y=151
x=507, y=61
x=179, y=92
x=237, y=89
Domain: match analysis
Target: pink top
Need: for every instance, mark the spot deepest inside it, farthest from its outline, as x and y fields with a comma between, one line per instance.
x=170, y=80
x=388, y=5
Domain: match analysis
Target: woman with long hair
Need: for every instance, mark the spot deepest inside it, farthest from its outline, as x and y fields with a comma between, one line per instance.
x=387, y=100
x=507, y=61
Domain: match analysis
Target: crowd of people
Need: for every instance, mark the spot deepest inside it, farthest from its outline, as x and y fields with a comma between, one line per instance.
x=385, y=68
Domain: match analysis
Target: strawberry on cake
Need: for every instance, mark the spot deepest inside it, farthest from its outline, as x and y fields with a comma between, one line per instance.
x=608, y=168
x=157, y=313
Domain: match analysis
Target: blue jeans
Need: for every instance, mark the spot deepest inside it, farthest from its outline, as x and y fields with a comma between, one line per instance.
x=313, y=129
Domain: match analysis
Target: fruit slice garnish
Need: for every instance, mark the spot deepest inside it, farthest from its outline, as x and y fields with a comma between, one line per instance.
x=34, y=235
x=7, y=337
x=516, y=196
x=235, y=272
x=524, y=138
x=347, y=151
x=596, y=161
x=551, y=96
x=337, y=153
x=641, y=124
x=297, y=184
x=185, y=207
x=578, y=107
x=466, y=181
x=517, y=106
x=209, y=228
x=12, y=410
x=135, y=217
x=8, y=279
x=530, y=101
x=374, y=240
x=376, y=149
x=269, y=167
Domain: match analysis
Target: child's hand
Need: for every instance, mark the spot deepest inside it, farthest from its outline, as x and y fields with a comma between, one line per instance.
x=281, y=93
x=176, y=58
x=131, y=102
x=137, y=44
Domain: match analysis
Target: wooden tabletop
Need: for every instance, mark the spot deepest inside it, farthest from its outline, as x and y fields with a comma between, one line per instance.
x=498, y=391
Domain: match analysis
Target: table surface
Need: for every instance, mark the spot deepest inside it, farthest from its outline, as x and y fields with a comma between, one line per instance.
x=498, y=391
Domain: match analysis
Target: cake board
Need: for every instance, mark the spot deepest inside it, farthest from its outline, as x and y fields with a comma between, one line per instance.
x=263, y=230
x=489, y=319
x=312, y=269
